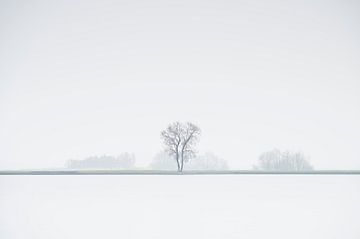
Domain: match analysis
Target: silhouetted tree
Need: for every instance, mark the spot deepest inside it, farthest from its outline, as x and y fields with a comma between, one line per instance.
x=163, y=161
x=283, y=161
x=180, y=140
x=207, y=161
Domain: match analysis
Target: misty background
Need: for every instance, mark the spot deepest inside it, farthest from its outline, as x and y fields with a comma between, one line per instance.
x=87, y=78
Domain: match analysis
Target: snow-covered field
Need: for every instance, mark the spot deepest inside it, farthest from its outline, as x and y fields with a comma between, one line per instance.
x=182, y=206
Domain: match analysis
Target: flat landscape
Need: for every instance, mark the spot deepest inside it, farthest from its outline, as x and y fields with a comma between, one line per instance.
x=174, y=206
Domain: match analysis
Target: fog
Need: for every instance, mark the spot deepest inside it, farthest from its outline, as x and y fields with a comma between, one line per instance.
x=87, y=78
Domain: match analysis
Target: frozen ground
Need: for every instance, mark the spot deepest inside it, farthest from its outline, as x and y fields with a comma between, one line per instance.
x=185, y=206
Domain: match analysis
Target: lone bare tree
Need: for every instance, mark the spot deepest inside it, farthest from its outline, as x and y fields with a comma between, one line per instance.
x=180, y=140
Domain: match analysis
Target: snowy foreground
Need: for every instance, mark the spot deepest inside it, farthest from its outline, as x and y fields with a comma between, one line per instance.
x=180, y=206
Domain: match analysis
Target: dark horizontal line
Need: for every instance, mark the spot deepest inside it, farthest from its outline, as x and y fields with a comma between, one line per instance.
x=164, y=172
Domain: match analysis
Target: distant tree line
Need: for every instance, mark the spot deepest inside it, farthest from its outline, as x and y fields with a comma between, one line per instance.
x=180, y=140
x=123, y=161
x=207, y=161
x=275, y=160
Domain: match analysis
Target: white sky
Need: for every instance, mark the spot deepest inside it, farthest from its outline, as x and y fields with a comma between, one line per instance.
x=79, y=78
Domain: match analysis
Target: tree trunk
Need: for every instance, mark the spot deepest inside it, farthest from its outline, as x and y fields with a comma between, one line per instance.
x=178, y=163
x=182, y=162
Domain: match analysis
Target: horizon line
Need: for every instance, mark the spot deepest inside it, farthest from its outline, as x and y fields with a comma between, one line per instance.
x=169, y=172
